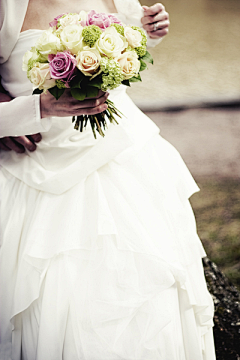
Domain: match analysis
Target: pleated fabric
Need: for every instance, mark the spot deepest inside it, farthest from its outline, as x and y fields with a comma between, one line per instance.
x=100, y=258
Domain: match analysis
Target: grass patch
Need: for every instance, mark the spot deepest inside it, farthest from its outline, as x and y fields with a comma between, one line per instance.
x=217, y=211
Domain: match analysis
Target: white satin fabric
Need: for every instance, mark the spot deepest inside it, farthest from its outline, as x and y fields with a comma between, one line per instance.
x=100, y=259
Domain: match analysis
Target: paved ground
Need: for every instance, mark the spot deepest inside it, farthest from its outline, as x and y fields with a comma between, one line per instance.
x=207, y=139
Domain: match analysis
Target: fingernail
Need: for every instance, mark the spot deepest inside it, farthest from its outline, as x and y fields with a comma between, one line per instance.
x=32, y=148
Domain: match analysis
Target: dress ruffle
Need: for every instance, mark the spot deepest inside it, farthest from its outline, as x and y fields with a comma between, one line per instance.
x=100, y=266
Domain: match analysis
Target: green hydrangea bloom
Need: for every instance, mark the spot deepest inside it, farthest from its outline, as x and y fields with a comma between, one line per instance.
x=36, y=57
x=31, y=64
x=130, y=48
x=91, y=34
x=141, y=50
x=60, y=84
x=119, y=28
x=112, y=75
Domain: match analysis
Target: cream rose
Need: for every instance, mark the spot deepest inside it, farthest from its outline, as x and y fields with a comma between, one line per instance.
x=111, y=43
x=129, y=64
x=88, y=61
x=71, y=37
x=48, y=43
x=40, y=76
x=133, y=37
x=69, y=20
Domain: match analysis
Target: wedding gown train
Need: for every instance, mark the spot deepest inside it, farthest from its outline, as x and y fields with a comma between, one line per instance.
x=100, y=258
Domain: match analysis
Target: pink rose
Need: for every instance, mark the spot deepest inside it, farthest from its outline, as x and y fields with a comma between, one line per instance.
x=100, y=19
x=55, y=21
x=62, y=66
x=114, y=19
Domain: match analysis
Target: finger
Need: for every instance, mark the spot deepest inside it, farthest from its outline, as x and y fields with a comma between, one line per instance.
x=152, y=19
x=159, y=33
x=68, y=95
x=154, y=9
x=90, y=103
x=160, y=25
x=92, y=111
x=27, y=143
x=3, y=146
x=102, y=93
x=12, y=145
x=35, y=137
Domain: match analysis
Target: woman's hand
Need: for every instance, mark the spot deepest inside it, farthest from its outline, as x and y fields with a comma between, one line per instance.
x=68, y=106
x=155, y=21
x=19, y=143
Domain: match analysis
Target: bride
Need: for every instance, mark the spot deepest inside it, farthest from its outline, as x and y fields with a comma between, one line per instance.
x=100, y=259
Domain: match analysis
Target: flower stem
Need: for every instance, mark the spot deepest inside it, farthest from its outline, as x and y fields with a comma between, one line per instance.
x=98, y=121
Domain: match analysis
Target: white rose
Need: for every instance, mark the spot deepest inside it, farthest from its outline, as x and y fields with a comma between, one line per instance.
x=48, y=43
x=133, y=37
x=69, y=20
x=71, y=37
x=129, y=64
x=83, y=15
x=111, y=43
x=29, y=55
x=88, y=61
x=40, y=76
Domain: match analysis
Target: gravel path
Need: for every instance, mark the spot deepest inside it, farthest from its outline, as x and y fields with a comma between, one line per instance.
x=207, y=139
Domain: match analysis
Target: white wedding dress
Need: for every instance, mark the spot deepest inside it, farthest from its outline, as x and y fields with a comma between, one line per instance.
x=100, y=259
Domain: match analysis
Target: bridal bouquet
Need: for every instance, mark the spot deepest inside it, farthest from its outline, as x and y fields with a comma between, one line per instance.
x=84, y=53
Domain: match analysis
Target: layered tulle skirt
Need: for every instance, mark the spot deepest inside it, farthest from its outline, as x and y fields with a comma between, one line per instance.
x=108, y=267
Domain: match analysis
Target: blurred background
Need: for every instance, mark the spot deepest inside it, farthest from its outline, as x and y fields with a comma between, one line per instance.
x=199, y=59
x=192, y=92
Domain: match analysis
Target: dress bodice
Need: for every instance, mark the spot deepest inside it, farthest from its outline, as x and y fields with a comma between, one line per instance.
x=14, y=79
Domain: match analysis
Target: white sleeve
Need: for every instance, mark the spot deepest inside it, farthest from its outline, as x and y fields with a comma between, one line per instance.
x=153, y=42
x=21, y=116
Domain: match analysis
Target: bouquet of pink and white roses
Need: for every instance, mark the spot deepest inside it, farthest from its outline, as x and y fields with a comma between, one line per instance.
x=84, y=53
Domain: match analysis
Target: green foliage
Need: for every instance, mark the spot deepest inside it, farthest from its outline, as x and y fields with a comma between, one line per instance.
x=56, y=92
x=97, y=82
x=135, y=78
x=126, y=82
x=37, y=92
x=143, y=65
x=60, y=84
x=147, y=57
x=92, y=91
x=75, y=83
x=79, y=94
